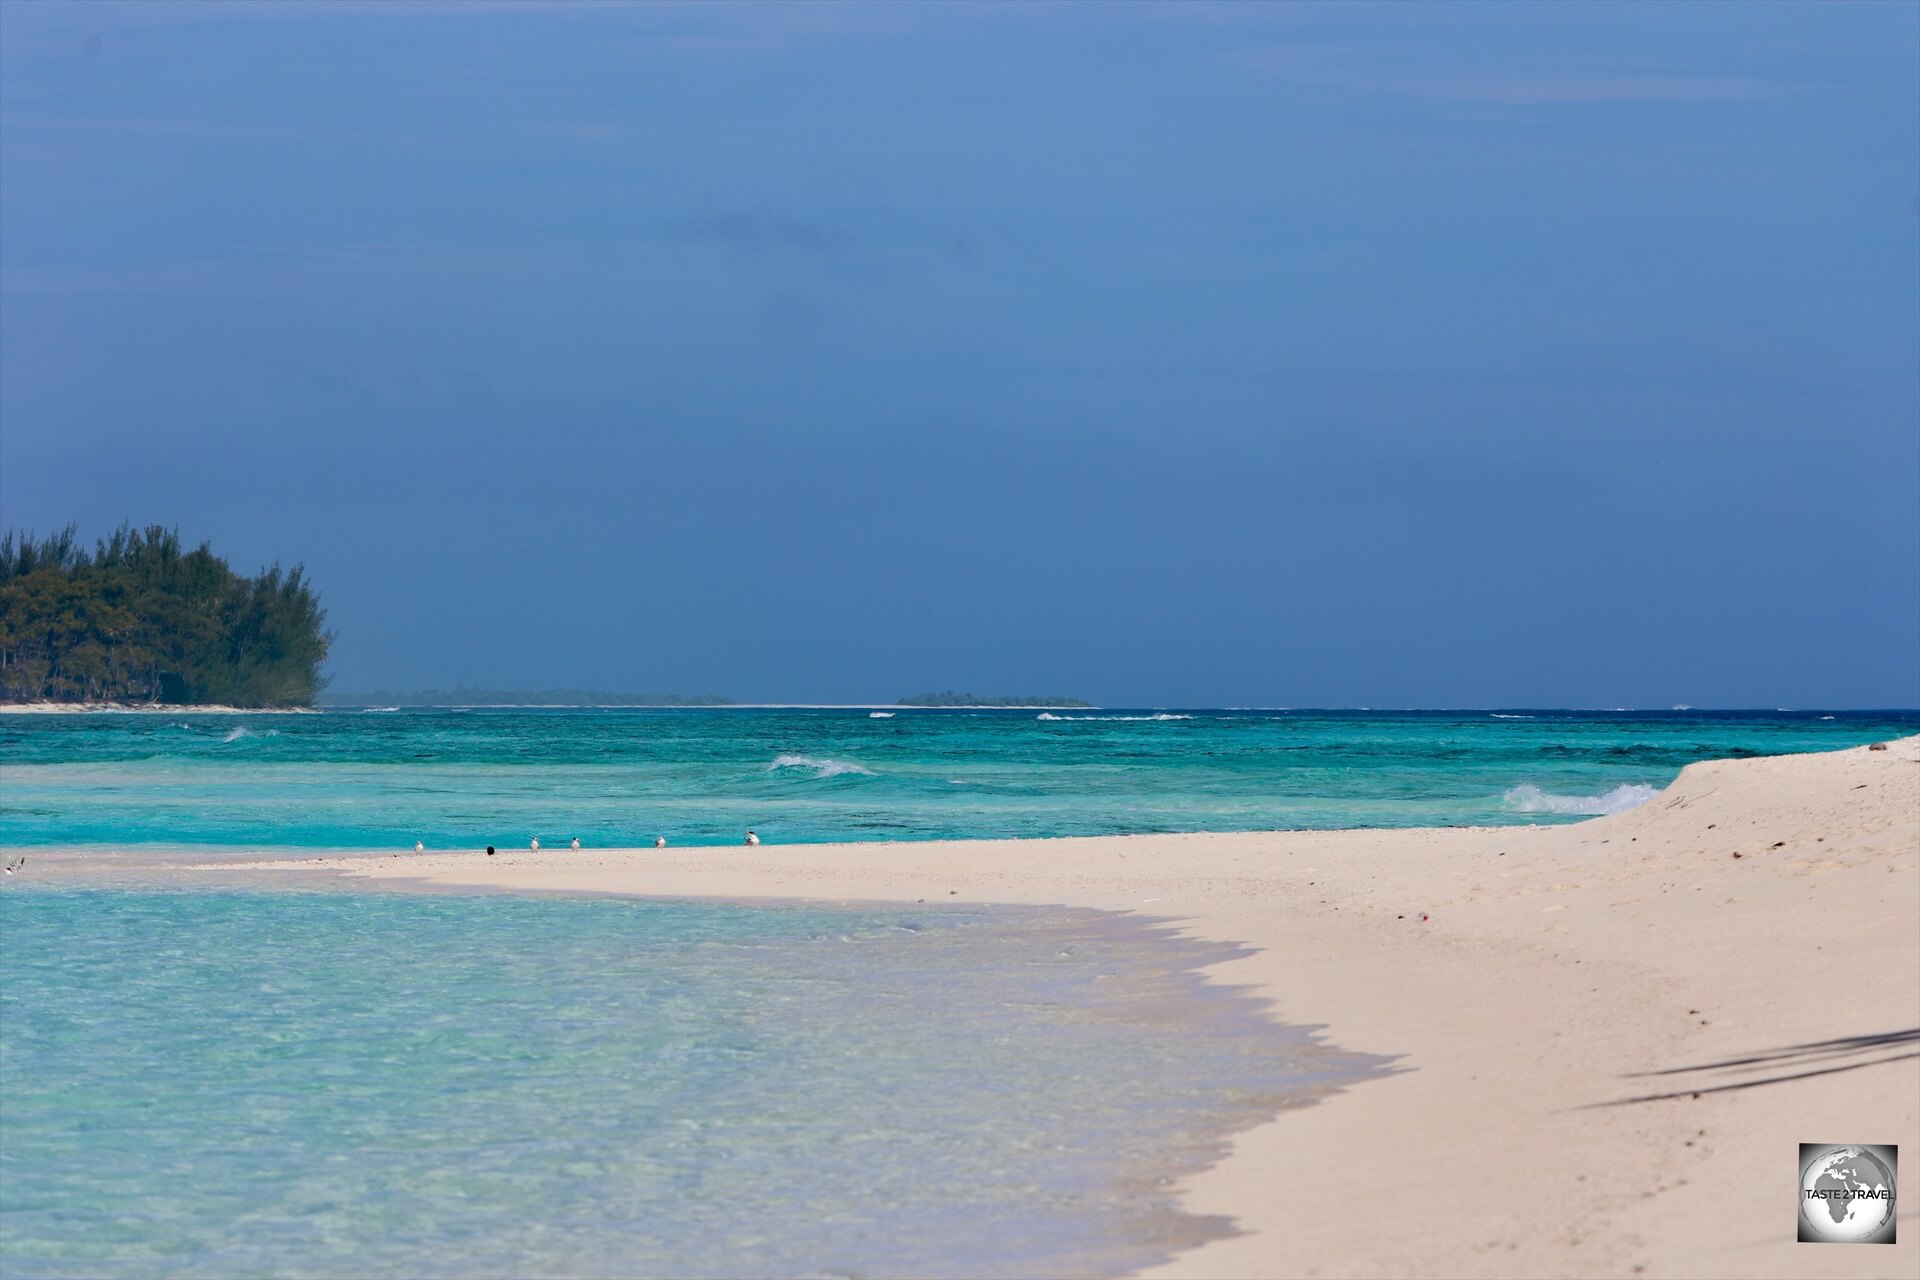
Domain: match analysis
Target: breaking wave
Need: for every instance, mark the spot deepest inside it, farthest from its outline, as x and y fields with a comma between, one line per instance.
x=1527, y=798
x=879, y=715
x=821, y=768
x=1048, y=715
x=1500, y=715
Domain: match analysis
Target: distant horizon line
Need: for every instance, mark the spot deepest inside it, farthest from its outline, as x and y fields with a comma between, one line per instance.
x=731, y=705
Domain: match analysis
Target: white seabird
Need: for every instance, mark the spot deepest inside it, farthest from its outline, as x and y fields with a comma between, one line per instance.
x=418, y=847
x=752, y=838
x=659, y=842
x=575, y=844
x=534, y=844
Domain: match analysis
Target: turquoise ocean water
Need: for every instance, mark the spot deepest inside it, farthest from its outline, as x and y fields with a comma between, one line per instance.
x=215, y=1075
x=381, y=780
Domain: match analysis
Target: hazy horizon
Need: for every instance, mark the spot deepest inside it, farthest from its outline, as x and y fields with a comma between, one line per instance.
x=1437, y=356
x=331, y=697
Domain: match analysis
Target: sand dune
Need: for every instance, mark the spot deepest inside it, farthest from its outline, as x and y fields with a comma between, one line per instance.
x=1613, y=1034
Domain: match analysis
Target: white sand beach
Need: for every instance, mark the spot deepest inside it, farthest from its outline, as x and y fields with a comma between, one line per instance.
x=1612, y=1036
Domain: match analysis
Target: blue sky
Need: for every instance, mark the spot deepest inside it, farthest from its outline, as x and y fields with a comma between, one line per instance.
x=1347, y=355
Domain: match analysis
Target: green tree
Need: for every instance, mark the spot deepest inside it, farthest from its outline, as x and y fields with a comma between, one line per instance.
x=140, y=620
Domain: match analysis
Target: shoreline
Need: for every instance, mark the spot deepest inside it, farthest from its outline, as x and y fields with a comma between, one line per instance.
x=1614, y=1033
x=145, y=709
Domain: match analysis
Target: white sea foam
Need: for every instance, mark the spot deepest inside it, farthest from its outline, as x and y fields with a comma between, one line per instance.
x=236, y=733
x=1527, y=798
x=821, y=768
x=1504, y=716
x=879, y=715
x=1048, y=715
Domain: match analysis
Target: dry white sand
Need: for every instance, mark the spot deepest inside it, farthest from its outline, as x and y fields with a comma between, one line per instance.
x=1613, y=1035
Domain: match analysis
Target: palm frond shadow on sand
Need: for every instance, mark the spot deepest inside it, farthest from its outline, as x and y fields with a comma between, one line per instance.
x=1777, y=1066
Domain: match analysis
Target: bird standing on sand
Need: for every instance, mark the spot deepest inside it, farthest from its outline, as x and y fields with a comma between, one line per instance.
x=659, y=842
x=418, y=847
x=752, y=838
x=16, y=864
x=575, y=844
x=534, y=844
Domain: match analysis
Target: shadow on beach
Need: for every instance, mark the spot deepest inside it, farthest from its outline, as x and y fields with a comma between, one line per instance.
x=1795, y=1062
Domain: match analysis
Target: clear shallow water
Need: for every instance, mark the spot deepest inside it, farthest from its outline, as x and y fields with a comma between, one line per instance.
x=215, y=1083
x=374, y=780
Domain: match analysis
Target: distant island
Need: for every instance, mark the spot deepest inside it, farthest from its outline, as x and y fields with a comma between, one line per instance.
x=140, y=620
x=952, y=699
x=467, y=696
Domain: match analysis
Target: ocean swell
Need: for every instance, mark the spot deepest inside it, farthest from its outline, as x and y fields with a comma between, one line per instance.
x=1527, y=798
x=821, y=768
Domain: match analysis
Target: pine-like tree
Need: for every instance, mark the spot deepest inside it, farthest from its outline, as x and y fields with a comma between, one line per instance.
x=139, y=620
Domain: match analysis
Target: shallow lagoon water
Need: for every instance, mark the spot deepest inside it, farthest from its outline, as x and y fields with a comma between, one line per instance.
x=220, y=1083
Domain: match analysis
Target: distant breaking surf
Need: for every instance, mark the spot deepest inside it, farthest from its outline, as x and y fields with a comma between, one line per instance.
x=1048, y=715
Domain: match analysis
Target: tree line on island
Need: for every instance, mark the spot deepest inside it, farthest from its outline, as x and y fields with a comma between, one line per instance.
x=142, y=619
